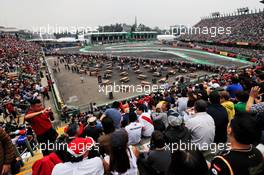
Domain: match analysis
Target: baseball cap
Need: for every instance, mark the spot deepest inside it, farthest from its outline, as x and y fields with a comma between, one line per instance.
x=79, y=146
x=173, y=118
x=91, y=119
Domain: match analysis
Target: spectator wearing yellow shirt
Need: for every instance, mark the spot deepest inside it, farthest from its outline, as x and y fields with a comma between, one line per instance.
x=229, y=105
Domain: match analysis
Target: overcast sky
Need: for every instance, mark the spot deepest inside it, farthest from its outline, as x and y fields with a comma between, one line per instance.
x=91, y=13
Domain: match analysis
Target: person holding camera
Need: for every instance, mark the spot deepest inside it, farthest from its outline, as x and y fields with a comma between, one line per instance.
x=40, y=119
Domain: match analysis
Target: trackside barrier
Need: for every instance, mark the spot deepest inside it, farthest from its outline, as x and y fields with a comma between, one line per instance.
x=58, y=102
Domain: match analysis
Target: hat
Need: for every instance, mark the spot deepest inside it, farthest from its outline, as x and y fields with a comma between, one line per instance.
x=159, y=105
x=79, y=146
x=174, y=121
x=173, y=113
x=215, y=85
x=91, y=119
x=173, y=118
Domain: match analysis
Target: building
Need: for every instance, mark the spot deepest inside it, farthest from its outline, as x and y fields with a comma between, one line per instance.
x=115, y=37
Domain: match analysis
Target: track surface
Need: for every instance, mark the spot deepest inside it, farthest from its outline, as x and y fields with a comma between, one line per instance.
x=155, y=50
x=76, y=93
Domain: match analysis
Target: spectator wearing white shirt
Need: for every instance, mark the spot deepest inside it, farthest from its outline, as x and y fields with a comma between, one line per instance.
x=201, y=125
x=134, y=129
x=146, y=121
x=182, y=106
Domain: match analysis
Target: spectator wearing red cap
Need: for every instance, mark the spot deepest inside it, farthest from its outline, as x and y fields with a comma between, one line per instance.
x=78, y=150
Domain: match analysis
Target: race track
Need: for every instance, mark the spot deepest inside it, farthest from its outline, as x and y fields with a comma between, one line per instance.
x=155, y=50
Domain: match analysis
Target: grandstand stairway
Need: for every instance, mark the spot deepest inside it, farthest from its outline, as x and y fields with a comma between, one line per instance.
x=28, y=163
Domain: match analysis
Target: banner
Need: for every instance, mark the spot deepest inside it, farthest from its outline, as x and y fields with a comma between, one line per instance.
x=232, y=55
x=224, y=42
x=253, y=44
x=217, y=52
x=224, y=53
x=208, y=41
x=243, y=57
x=242, y=43
x=211, y=50
x=254, y=60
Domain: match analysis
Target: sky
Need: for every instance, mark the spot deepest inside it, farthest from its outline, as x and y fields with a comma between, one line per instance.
x=32, y=14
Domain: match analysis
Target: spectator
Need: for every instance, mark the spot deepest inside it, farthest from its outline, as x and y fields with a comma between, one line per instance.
x=134, y=129
x=201, y=125
x=78, y=151
x=73, y=130
x=145, y=120
x=159, y=126
x=7, y=153
x=243, y=158
x=91, y=130
x=123, y=159
x=158, y=159
x=254, y=96
x=115, y=114
x=229, y=105
x=176, y=131
x=39, y=118
x=45, y=165
x=104, y=139
x=161, y=112
x=182, y=106
x=203, y=92
x=220, y=116
x=234, y=88
x=187, y=162
x=240, y=106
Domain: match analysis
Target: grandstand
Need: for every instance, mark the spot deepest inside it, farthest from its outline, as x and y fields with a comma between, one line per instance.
x=209, y=95
x=246, y=28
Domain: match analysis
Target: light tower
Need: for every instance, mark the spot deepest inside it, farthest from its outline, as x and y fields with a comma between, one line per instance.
x=136, y=23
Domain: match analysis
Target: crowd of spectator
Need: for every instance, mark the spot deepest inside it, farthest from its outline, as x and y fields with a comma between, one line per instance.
x=244, y=28
x=19, y=73
x=139, y=135
x=252, y=53
x=20, y=65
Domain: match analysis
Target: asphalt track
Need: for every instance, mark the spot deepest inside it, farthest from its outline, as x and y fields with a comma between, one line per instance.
x=84, y=93
x=155, y=50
